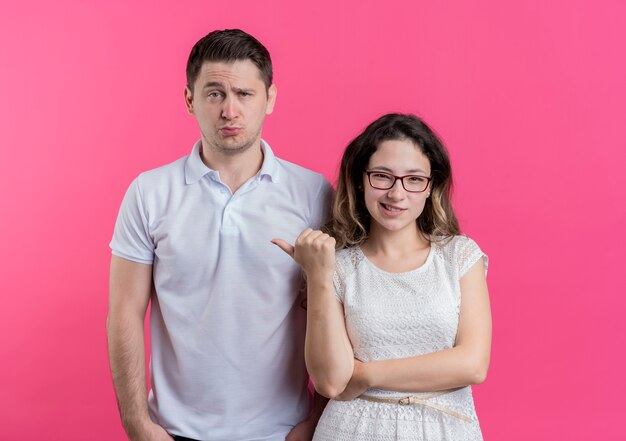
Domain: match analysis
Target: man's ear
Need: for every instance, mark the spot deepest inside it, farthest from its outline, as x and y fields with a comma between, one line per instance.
x=272, y=91
x=189, y=100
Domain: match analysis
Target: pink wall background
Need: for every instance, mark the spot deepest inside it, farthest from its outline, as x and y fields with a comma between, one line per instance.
x=530, y=97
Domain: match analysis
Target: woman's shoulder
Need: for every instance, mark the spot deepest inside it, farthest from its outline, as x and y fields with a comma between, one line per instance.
x=452, y=244
x=346, y=253
x=348, y=257
x=460, y=251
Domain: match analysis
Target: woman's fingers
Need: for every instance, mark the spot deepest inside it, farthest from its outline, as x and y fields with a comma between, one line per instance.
x=313, y=250
x=324, y=239
x=284, y=245
x=315, y=239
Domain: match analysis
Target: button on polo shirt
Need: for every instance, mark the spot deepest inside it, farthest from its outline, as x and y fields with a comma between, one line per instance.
x=226, y=322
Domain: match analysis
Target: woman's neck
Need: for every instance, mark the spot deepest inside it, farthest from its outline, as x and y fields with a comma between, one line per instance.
x=394, y=244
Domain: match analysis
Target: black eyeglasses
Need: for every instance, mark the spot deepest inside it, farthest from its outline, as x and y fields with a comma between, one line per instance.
x=384, y=181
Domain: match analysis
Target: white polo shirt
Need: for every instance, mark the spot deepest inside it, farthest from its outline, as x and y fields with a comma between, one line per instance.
x=226, y=321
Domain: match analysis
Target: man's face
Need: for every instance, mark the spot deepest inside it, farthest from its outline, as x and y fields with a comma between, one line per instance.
x=230, y=101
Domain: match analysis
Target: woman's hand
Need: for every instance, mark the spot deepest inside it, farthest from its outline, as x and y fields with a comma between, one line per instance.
x=313, y=250
x=327, y=350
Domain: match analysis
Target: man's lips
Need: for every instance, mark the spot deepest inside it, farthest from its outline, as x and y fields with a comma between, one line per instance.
x=229, y=130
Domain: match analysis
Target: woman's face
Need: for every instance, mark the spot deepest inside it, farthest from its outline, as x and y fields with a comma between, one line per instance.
x=396, y=209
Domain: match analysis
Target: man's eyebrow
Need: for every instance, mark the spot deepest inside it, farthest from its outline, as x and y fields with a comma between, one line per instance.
x=220, y=85
x=213, y=84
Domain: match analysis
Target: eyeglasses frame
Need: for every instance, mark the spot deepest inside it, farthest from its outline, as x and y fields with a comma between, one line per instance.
x=395, y=178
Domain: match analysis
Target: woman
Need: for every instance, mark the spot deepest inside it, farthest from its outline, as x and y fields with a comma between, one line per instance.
x=399, y=323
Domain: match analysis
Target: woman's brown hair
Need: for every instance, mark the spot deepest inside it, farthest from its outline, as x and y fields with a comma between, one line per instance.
x=351, y=221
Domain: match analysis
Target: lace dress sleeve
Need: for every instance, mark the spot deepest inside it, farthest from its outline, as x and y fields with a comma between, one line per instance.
x=468, y=253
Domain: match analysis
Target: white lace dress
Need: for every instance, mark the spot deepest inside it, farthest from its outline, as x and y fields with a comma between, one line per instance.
x=398, y=315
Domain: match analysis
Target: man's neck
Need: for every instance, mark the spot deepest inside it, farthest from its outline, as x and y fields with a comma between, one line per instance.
x=234, y=169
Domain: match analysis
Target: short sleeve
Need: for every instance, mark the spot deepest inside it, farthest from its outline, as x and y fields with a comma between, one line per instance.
x=320, y=212
x=131, y=238
x=467, y=255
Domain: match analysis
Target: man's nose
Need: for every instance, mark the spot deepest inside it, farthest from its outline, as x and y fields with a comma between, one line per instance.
x=229, y=108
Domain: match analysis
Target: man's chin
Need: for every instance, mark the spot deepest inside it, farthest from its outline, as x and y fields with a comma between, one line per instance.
x=235, y=148
x=231, y=145
x=237, y=144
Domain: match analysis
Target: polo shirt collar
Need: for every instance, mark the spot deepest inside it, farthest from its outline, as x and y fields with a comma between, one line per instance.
x=195, y=169
x=269, y=167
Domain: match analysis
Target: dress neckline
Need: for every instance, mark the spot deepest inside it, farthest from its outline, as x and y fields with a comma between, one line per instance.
x=420, y=268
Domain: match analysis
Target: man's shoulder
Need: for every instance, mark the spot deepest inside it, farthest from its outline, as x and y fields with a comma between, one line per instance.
x=174, y=171
x=299, y=173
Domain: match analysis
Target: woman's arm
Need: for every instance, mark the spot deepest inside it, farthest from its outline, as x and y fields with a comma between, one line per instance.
x=328, y=352
x=466, y=363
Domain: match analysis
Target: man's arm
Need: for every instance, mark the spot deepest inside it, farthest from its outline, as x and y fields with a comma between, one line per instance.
x=129, y=294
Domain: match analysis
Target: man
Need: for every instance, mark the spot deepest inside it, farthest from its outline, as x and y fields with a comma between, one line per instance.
x=193, y=237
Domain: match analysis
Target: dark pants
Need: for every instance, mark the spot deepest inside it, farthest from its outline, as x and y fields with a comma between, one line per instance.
x=182, y=438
